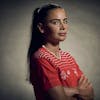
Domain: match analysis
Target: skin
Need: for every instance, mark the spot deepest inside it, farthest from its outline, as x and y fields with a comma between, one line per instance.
x=56, y=32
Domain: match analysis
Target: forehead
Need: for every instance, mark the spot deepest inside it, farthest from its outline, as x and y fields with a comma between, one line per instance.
x=58, y=13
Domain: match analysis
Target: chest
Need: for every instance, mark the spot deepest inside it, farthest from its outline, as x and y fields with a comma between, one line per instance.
x=68, y=70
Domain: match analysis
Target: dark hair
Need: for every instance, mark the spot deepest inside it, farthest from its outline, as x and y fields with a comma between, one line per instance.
x=37, y=39
x=39, y=15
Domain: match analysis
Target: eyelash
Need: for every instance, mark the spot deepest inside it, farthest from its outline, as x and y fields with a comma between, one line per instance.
x=55, y=22
x=65, y=22
x=58, y=22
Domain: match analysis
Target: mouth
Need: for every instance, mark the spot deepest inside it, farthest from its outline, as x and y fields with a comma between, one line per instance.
x=62, y=34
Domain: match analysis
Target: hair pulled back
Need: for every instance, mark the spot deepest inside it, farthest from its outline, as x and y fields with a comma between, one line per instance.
x=39, y=16
x=37, y=39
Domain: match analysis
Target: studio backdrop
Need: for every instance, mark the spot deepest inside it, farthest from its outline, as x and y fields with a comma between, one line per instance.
x=82, y=42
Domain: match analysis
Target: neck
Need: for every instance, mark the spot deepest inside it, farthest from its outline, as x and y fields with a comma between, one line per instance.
x=53, y=48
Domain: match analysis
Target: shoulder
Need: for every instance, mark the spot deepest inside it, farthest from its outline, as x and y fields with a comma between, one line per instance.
x=41, y=53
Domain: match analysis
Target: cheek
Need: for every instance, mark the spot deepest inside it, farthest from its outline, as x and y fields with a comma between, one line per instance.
x=50, y=30
x=67, y=27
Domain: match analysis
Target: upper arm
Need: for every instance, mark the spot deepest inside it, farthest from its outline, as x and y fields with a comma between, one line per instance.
x=48, y=74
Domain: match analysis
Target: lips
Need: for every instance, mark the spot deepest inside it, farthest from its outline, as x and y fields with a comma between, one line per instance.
x=62, y=34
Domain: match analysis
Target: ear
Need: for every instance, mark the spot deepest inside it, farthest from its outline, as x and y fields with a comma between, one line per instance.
x=40, y=27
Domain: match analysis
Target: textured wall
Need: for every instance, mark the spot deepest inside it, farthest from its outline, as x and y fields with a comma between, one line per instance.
x=82, y=42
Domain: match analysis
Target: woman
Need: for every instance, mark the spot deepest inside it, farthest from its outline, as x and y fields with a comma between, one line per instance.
x=54, y=73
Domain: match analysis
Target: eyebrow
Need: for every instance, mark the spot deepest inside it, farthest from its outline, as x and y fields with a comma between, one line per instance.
x=58, y=19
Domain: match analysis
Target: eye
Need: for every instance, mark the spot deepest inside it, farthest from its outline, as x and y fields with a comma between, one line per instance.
x=65, y=21
x=55, y=22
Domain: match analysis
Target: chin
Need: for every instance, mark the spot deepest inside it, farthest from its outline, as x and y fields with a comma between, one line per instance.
x=62, y=39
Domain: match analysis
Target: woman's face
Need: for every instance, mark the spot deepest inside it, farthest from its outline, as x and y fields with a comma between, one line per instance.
x=55, y=27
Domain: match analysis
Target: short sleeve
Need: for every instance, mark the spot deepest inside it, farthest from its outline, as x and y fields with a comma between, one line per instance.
x=47, y=73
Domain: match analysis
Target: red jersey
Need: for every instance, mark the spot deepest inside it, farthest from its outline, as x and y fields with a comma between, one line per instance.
x=50, y=71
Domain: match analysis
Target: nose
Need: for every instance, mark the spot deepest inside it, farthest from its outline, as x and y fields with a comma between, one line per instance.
x=62, y=26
